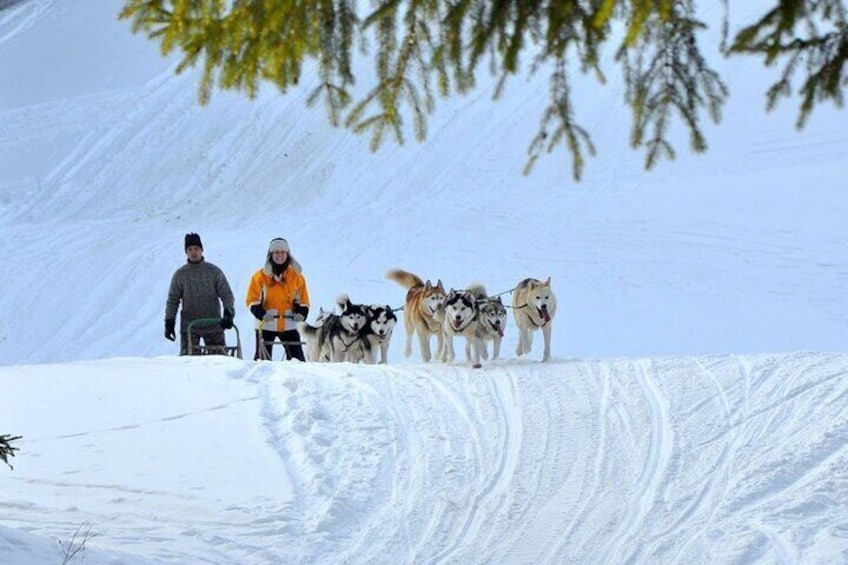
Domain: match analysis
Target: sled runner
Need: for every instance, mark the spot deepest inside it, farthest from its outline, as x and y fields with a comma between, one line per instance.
x=231, y=350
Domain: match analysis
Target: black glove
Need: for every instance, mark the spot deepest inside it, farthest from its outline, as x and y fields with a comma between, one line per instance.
x=300, y=312
x=169, y=330
x=227, y=320
x=258, y=311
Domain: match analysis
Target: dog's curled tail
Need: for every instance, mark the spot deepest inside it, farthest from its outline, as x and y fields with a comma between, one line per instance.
x=305, y=329
x=478, y=290
x=343, y=300
x=404, y=278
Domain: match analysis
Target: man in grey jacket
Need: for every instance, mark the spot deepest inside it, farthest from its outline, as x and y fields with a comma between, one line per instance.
x=201, y=287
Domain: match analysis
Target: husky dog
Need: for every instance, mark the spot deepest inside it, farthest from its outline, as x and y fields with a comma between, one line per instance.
x=337, y=338
x=534, y=307
x=376, y=334
x=312, y=333
x=422, y=312
x=492, y=321
x=461, y=318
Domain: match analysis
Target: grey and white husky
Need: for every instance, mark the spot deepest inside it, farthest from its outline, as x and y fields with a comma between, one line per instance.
x=461, y=319
x=338, y=337
x=533, y=307
x=491, y=323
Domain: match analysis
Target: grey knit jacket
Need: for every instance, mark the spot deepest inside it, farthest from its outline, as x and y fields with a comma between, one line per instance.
x=199, y=286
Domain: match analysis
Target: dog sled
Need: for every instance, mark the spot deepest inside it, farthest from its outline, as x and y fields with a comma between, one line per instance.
x=230, y=350
x=264, y=347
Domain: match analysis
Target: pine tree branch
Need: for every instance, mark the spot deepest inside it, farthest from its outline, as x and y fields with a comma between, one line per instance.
x=428, y=48
x=6, y=448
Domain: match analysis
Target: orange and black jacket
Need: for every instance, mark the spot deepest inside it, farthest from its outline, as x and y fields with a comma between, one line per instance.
x=282, y=295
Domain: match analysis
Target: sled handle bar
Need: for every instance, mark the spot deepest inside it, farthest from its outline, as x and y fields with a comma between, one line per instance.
x=207, y=322
x=277, y=317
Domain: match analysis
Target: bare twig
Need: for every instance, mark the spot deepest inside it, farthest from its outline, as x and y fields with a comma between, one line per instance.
x=77, y=544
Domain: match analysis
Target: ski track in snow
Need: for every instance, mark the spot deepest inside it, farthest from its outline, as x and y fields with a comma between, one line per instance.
x=447, y=465
x=630, y=460
x=18, y=18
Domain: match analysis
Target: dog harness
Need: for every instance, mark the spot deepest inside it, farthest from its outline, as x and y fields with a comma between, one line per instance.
x=431, y=321
x=542, y=323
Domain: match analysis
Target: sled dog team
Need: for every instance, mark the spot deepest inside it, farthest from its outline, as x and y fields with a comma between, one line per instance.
x=359, y=330
x=278, y=298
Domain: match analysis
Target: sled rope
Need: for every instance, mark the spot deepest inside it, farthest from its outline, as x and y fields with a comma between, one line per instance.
x=487, y=299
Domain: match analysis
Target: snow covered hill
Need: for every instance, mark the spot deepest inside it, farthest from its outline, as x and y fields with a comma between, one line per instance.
x=695, y=410
x=711, y=459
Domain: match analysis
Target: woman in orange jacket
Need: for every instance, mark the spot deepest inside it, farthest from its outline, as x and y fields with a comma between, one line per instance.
x=278, y=298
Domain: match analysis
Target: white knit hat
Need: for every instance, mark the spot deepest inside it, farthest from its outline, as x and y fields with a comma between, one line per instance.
x=278, y=244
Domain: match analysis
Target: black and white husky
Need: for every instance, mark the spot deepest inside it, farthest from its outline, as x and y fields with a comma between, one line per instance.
x=338, y=337
x=376, y=335
x=461, y=318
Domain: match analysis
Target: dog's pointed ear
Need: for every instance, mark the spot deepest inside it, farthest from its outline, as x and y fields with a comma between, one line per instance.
x=548, y=282
x=439, y=285
x=428, y=285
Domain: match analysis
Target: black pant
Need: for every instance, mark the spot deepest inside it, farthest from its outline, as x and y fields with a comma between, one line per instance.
x=290, y=340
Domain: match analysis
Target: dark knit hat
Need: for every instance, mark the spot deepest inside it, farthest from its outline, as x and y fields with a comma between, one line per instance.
x=192, y=239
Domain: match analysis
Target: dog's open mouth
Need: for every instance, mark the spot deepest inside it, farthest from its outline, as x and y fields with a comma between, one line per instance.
x=543, y=312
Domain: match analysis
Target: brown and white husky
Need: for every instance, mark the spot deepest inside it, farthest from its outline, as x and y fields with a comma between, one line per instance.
x=423, y=311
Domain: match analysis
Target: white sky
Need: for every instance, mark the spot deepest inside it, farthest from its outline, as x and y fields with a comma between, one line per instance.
x=695, y=409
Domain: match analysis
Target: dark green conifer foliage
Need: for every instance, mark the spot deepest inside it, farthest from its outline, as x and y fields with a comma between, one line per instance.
x=6, y=448
x=810, y=38
x=424, y=49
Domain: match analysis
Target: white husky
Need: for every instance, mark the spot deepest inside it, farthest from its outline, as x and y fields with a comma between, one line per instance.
x=534, y=307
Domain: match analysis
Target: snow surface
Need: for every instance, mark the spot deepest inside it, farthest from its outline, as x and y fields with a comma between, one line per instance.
x=695, y=411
